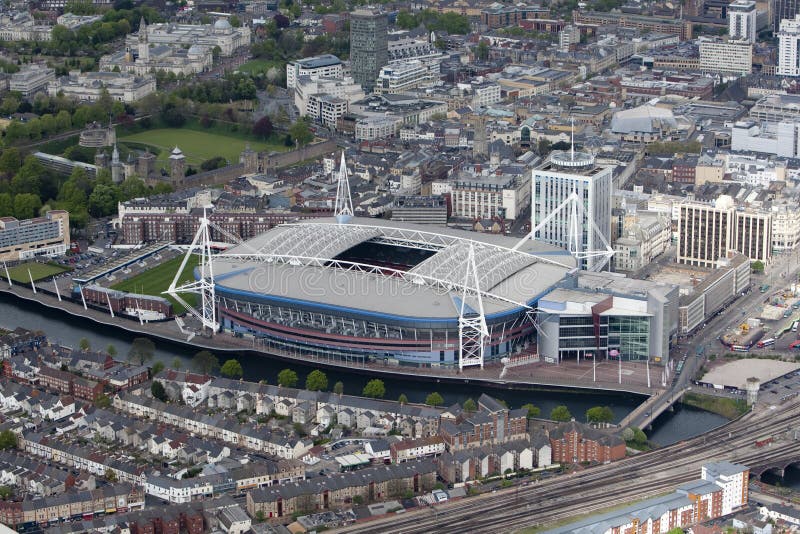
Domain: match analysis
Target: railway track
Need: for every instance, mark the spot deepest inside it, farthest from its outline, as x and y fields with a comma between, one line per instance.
x=641, y=476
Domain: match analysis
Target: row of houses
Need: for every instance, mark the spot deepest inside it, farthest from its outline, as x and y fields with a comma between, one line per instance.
x=36, y=403
x=366, y=485
x=71, y=505
x=515, y=456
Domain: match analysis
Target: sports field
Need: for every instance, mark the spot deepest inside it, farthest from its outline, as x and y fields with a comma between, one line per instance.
x=157, y=280
x=197, y=146
x=39, y=271
x=255, y=66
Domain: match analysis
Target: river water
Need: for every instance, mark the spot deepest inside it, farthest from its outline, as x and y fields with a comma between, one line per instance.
x=67, y=330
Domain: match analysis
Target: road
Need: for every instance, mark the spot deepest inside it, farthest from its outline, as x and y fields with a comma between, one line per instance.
x=600, y=487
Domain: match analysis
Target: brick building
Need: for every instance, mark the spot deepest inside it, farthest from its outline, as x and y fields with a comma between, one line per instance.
x=69, y=383
x=493, y=423
x=574, y=442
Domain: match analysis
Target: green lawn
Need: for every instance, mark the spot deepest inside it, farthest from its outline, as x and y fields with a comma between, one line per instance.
x=157, y=280
x=254, y=66
x=197, y=146
x=39, y=271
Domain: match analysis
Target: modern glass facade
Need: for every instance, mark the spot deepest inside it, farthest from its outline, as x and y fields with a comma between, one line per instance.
x=587, y=336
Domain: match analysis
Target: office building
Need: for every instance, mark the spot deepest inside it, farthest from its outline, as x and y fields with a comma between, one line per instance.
x=324, y=66
x=489, y=197
x=42, y=236
x=708, y=232
x=553, y=183
x=788, y=41
x=420, y=209
x=782, y=10
x=785, y=225
x=776, y=138
x=642, y=241
x=401, y=76
x=368, y=46
x=742, y=22
x=32, y=79
x=732, y=57
x=89, y=86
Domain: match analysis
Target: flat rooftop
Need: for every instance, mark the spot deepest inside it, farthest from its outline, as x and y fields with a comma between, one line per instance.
x=736, y=373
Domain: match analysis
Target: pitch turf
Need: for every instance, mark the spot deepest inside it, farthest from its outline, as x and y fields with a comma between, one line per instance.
x=197, y=146
x=39, y=271
x=156, y=280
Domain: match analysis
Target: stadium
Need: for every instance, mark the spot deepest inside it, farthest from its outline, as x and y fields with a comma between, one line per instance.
x=371, y=289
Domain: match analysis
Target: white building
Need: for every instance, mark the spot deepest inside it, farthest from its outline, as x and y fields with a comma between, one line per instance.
x=326, y=108
x=89, y=86
x=788, y=55
x=374, y=127
x=487, y=197
x=401, y=76
x=307, y=88
x=32, y=79
x=785, y=226
x=643, y=241
x=742, y=23
x=220, y=34
x=733, y=479
x=22, y=26
x=778, y=138
x=755, y=171
x=563, y=174
x=732, y=57
x=324, y=66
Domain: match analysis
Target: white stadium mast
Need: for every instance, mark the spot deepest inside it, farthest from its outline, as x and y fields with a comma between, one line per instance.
x=473, y=333
x=343, y=209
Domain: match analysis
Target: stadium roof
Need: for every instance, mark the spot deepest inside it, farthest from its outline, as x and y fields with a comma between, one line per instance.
x=296, y=264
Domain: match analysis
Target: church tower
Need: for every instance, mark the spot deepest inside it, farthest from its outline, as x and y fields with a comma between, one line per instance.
x=116, y=166
x=144, y=46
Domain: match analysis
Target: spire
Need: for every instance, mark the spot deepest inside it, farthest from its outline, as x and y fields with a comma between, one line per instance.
x=343, y=209
x=115, y=154
x=572, y=139
x=142, y=30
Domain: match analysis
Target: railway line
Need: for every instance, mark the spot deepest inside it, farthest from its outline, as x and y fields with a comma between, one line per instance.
x=637, y=477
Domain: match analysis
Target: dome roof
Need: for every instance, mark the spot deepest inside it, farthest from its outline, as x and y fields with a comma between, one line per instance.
x=222, y=24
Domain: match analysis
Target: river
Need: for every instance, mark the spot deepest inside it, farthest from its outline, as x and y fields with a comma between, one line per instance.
x=66, y=330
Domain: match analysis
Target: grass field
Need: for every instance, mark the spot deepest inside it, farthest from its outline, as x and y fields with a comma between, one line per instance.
x=197, y=146
x=39, y=271
x=156, y=280
x=254, y=66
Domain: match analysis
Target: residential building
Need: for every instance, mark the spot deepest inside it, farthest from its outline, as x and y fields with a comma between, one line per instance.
x=89, y=86
x=708, y=232
x=415, y=449
x=731, y=57
x=324, y=66
x=369, y=49
x=742, y=21
x=32, y=79
x=788, y=52
x=492, y=424
x=734, y=480
x=327, y=109
x=489, y=197
x=566, y=173
x=574, y=443
x=42, y=236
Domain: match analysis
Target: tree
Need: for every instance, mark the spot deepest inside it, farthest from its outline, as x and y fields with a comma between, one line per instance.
x=104, y=200
x=482, y=50
x=84, y=344
x=544, y=146
x=300, y=133
x=110, y=475
x=5, y=492
x=599, y=414
x=338, y=388
x=111, y=350
x=263, y=127
x=287, y=378
x=628, y=434
x=10, y=161
x=205, y=362
x=157, y=368
x=27, y=205
x=316, y=381
x=402, y=399
x=374, y=389
x=102, y=401
x=639, y=437
x=177, y=363
x=470, y=406
x=533, y=411
x=434, y=399
x=158, y=391
x=260, y=516
x=142, y=350
x=232, y=369
x=757, y=266
x=561, y=414
x=8, y=439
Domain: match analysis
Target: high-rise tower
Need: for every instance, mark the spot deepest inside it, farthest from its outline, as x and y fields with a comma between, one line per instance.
x=368, y=46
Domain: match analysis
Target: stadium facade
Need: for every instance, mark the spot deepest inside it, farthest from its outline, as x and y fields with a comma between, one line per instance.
x=382, y=290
